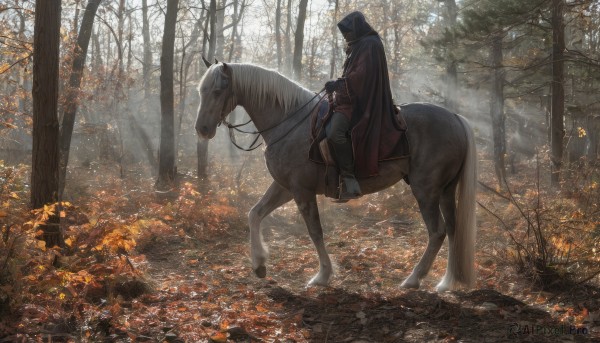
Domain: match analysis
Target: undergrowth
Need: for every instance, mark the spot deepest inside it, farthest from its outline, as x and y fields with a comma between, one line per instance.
x=552, y=234
x=75, y=291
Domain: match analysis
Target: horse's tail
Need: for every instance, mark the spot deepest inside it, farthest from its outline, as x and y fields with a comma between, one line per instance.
x=461, y=267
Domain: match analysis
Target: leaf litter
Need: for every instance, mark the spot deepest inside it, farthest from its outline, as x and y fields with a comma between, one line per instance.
x=143, y=269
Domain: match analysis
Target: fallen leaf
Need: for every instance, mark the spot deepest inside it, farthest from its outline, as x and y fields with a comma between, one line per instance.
x=219, y=337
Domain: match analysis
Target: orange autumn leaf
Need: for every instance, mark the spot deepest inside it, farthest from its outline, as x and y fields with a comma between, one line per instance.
x=261, y=308
x=219, y=337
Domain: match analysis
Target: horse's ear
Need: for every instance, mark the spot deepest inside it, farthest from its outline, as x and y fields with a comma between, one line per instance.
x=226, y=69
x=216, y=61
x=206, y=62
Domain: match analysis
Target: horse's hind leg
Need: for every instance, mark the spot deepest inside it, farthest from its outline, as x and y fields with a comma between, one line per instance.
x=273, y=198
x=448, y=207
x=307, y=205
x=429, y=206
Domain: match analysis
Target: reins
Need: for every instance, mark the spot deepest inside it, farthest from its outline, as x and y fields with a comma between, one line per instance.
x=252, y=146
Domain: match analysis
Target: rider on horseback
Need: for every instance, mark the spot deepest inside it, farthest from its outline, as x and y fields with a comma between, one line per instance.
x=363, y=109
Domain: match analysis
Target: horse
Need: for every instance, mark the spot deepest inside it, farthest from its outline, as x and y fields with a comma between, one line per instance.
x=441, y=169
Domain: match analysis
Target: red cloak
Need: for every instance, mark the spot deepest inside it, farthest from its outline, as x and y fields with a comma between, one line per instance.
x=363, y=94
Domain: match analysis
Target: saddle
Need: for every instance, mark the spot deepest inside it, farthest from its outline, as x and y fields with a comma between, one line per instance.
x=320, y=151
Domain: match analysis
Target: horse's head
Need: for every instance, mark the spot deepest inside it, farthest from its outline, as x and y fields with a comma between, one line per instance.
x=217, y=98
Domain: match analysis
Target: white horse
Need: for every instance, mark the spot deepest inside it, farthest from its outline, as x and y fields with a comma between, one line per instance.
x=441, y=168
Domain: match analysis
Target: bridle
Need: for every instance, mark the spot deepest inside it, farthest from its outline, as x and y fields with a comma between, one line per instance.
x=231, y=104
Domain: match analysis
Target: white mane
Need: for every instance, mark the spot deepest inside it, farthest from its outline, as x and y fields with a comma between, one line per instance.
x=262, y=87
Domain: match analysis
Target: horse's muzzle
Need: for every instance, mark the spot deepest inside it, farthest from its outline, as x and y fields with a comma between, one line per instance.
x=205, y=132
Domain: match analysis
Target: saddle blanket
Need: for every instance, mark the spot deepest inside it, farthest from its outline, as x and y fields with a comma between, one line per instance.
x=319, y=151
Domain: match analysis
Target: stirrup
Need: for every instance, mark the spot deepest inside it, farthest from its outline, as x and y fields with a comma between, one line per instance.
x=349, y=189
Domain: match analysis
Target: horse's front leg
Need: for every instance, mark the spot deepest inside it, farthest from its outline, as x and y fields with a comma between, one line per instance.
x=307, y=205
x=273, y=198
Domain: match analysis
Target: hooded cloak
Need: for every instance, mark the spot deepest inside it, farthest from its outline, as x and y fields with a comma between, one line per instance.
x=364, y=96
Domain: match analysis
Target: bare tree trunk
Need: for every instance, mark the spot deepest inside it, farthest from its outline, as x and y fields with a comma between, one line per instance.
x=145, y=139
x=334, y=42
x=558, y=91
x=107, y=43
x=96, y=52
x=119, y=85
x=288, y=43
x=202, y=152
x=452, y=65
x=129, y=40
x=497, y=108
x=202, y=144
x=186, y=62
x=76, y=17
x=45, y=151
x=166, y=165
x=147, y=64
x=72, y=91
x=206, y=38
x=278, y=34
x=23, y=78
x=220, y=37
x=299, y=40
x=212, y=38
x=238, y=10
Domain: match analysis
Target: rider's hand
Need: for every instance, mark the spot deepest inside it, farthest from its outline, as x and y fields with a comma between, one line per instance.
x=330, y=86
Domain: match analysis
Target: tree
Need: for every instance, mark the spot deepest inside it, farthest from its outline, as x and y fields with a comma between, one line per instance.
x=278, y=34
x=451, y=94
x=147, y=62
x=236, y=39
x=299, y=40
x=288, y=43
x=212, y=22
x=334, y=42
x=557, y=128
x=487, y=25
x=72, y=90
x=497, y=105
x=45, y=151
x=220, y=36
x=166, y=160
x=211, y=38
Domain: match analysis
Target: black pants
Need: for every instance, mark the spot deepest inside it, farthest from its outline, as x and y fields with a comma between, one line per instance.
x=338, y=135
x=338, y=129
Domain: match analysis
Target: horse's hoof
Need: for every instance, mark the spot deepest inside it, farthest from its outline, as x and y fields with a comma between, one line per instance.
x=444, y=286
x=318, y=281
x=441, y=288
x=261, y=272
x=312, y=283
x=410, y=284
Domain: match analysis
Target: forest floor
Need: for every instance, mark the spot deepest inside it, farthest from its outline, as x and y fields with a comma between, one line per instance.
x=150, y=267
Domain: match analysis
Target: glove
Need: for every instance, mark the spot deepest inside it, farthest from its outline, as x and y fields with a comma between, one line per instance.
x=331, y=86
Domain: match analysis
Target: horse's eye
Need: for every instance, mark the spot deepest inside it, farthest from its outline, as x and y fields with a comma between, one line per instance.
x=217, y=92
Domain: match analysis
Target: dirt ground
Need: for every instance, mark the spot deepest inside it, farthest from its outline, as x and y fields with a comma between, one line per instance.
x=198, y=286
x=363, y=304
x=374, y=243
